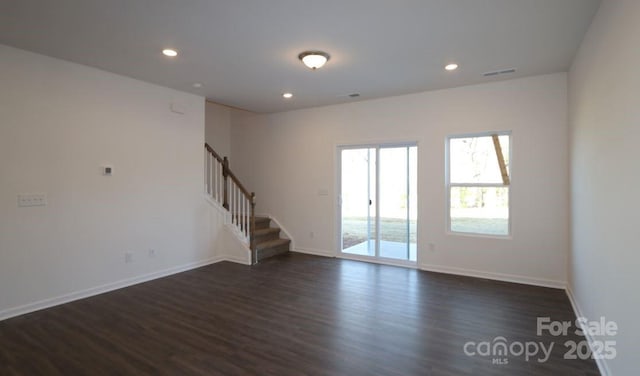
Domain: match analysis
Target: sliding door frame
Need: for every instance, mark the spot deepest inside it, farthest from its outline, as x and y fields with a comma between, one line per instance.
x=338, y=214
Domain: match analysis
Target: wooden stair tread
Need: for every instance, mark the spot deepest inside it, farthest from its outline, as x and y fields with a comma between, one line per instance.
x=262, y=223
x=258, y=219
x=272, y=244
x=268, y=230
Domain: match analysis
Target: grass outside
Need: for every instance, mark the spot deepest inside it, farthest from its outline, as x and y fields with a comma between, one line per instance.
x=354, y=230
x=485, y=226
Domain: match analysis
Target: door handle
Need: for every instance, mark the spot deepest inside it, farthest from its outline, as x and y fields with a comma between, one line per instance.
x=370, y=202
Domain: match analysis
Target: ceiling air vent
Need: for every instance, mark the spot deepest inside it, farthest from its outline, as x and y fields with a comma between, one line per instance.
x=349, y=95
x=499, y=72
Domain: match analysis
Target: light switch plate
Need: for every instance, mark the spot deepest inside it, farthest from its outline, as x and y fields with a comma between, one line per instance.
x=178, y=108
x=34, y=199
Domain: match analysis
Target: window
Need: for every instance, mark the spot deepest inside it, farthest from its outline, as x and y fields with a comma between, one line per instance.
x=478, y=182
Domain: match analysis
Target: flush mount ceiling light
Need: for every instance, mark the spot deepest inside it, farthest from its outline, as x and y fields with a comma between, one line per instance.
x=287, y=95
x=314, y=59
x=451, y=67
x=169, y=52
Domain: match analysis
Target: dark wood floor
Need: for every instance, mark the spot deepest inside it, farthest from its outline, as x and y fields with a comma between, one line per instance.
x=294, y=315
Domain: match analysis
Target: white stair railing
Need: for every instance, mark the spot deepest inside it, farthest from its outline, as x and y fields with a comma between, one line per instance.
x=223, y=187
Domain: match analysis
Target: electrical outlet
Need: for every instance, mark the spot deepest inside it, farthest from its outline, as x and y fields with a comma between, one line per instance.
x=432, y=247
x=128, y=257
x=312, y=235
x=152, y=253
x=107, y=170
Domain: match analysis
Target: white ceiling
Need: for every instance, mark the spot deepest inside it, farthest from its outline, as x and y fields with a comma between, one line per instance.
x=245, y=51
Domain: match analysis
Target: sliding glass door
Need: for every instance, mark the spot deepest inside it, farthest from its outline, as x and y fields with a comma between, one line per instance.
x=359, y=226
x=378, y=211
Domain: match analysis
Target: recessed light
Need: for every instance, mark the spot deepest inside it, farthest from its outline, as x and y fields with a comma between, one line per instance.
x=287, y=95
x=197, y=85
x=169, y=52
x=451, y=67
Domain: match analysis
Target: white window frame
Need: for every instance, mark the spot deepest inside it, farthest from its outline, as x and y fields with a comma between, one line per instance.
x=479, y=185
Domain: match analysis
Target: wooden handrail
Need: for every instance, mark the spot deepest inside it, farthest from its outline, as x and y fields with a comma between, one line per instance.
x=213, y=152
x=242, y=188
x=227, y=175
x=228, y=172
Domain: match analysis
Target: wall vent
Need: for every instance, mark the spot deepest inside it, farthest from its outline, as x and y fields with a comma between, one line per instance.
x=499, y=72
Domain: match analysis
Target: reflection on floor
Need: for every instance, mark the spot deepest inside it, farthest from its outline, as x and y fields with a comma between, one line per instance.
x=388, y=249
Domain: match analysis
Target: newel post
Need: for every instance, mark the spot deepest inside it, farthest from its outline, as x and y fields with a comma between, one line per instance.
x=252, y=230
x=225, y=175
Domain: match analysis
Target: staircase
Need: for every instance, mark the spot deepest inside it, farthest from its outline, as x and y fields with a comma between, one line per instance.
x=268, y=242
x=223, y=186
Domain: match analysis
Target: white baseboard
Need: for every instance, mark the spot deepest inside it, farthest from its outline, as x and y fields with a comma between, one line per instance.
x=316, y=252
x=234, y=259
x=449, y=270
x=66, y=298
x=494, y=276
x=381, y=261
x=603, y=367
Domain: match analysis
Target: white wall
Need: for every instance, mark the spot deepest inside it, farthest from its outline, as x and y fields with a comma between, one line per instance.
x=605, y=131
x=218, y=128
x=287, y=157
x=59, y=123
